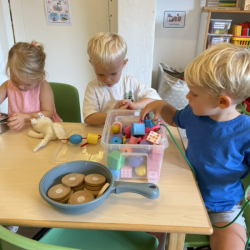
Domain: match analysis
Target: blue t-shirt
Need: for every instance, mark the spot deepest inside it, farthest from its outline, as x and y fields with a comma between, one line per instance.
x=220, y=155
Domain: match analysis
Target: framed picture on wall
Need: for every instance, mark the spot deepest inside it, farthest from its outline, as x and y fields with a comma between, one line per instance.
x=174, y=19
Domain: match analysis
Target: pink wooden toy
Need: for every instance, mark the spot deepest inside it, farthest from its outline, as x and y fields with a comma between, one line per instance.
x=154, y=169
x=126, y=172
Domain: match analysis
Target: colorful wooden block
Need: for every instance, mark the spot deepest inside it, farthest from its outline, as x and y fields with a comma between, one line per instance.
x=154, y=137
x=133, y=140
x=127, y=129
x=138, y=129
x=149, y=124
x=115, y=160
x=126, y=172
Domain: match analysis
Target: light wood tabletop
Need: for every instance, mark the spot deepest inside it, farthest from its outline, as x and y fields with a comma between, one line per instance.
x=179, y=210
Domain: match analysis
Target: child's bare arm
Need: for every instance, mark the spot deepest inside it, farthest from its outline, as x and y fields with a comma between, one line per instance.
x=47, y=100
x=3, y=92
x=160, y=108
x=96, y=118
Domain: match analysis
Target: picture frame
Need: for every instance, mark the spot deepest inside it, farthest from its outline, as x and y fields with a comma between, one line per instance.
x=174, y=19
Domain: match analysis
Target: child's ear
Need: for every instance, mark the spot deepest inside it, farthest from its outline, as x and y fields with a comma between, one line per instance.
x=125, y=63
x=224, y=102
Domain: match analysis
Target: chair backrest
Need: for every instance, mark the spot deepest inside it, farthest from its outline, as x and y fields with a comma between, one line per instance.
x=246, y=183
x=66, y=101
x=11, y=241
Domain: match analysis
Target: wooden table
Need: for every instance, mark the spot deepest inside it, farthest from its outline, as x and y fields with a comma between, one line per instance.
x=179, y=209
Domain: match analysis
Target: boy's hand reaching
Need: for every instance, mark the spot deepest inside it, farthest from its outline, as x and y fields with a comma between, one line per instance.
x=155, y=107
x=130, y=105
x=17, y=121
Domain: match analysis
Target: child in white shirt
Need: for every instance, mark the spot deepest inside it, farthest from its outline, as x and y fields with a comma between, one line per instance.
x=112, y=90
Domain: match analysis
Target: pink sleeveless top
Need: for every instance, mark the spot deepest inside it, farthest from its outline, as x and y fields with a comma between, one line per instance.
x=25, y=101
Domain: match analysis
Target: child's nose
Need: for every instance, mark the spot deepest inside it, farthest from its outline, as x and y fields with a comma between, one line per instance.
x=107, y=80
x=188, y=95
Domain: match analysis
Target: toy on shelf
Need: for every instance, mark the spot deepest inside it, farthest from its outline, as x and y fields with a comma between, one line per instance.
x=135, y=149
x=47, y=130
x=222, y=5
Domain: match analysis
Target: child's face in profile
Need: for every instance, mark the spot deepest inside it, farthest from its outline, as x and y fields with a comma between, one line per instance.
x=201, y=102
x=24, y=83
x=112, y=75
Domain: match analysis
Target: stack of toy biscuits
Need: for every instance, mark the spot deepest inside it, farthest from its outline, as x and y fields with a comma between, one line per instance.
x=71, y=189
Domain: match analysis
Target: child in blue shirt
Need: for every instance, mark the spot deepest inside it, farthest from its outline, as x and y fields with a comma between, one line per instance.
x=218, y=135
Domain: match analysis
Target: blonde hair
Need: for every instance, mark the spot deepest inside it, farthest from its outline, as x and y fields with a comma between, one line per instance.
x=104, y=48
x=26, y=60
x=222, y=69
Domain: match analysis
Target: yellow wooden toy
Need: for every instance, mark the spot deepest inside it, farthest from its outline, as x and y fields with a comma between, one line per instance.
x=92, y=138
x=141, y=170
x=115, y=129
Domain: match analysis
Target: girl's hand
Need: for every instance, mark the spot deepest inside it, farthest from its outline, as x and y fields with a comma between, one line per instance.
x=17, y=121
x=130, y=104
x=248, y=198
x=155, y=107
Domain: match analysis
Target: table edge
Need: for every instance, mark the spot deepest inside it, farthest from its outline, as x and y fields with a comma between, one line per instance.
x=109, y=226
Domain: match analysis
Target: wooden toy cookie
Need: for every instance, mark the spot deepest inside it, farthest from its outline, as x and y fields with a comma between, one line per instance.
x=59, y=192
x=77, y=188
x=73, y=180
x=81, y=197
x=104, y=188
x=93, y=188
x=94, y=192
x=95, y=180
x=67, y=198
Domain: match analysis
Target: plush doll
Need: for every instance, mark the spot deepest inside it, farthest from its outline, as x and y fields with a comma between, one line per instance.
x=47, y=130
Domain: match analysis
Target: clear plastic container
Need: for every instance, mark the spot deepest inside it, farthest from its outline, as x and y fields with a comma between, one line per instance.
x=219, y=26
x=139, y=161
x=213, y=39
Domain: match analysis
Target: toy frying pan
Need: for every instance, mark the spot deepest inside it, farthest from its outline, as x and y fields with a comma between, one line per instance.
x=3, y=123
x=55, y=175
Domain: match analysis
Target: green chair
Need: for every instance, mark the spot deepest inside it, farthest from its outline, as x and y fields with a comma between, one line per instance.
x=67, y=102
x=79, y=239
x=198, y=241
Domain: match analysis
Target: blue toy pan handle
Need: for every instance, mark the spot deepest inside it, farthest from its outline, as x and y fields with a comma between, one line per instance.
x=149, y=190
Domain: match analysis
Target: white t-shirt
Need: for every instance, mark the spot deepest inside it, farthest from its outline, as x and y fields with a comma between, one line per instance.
x=100, y=98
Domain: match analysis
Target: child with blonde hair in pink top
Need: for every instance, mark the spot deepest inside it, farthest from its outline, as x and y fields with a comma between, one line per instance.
x=27, y=90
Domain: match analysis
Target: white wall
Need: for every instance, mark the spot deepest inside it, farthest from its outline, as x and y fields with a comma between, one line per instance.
x=6, y=42
x=136, y=24
x=176, y=46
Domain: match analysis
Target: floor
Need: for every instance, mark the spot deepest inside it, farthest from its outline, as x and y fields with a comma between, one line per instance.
x=28, y=232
